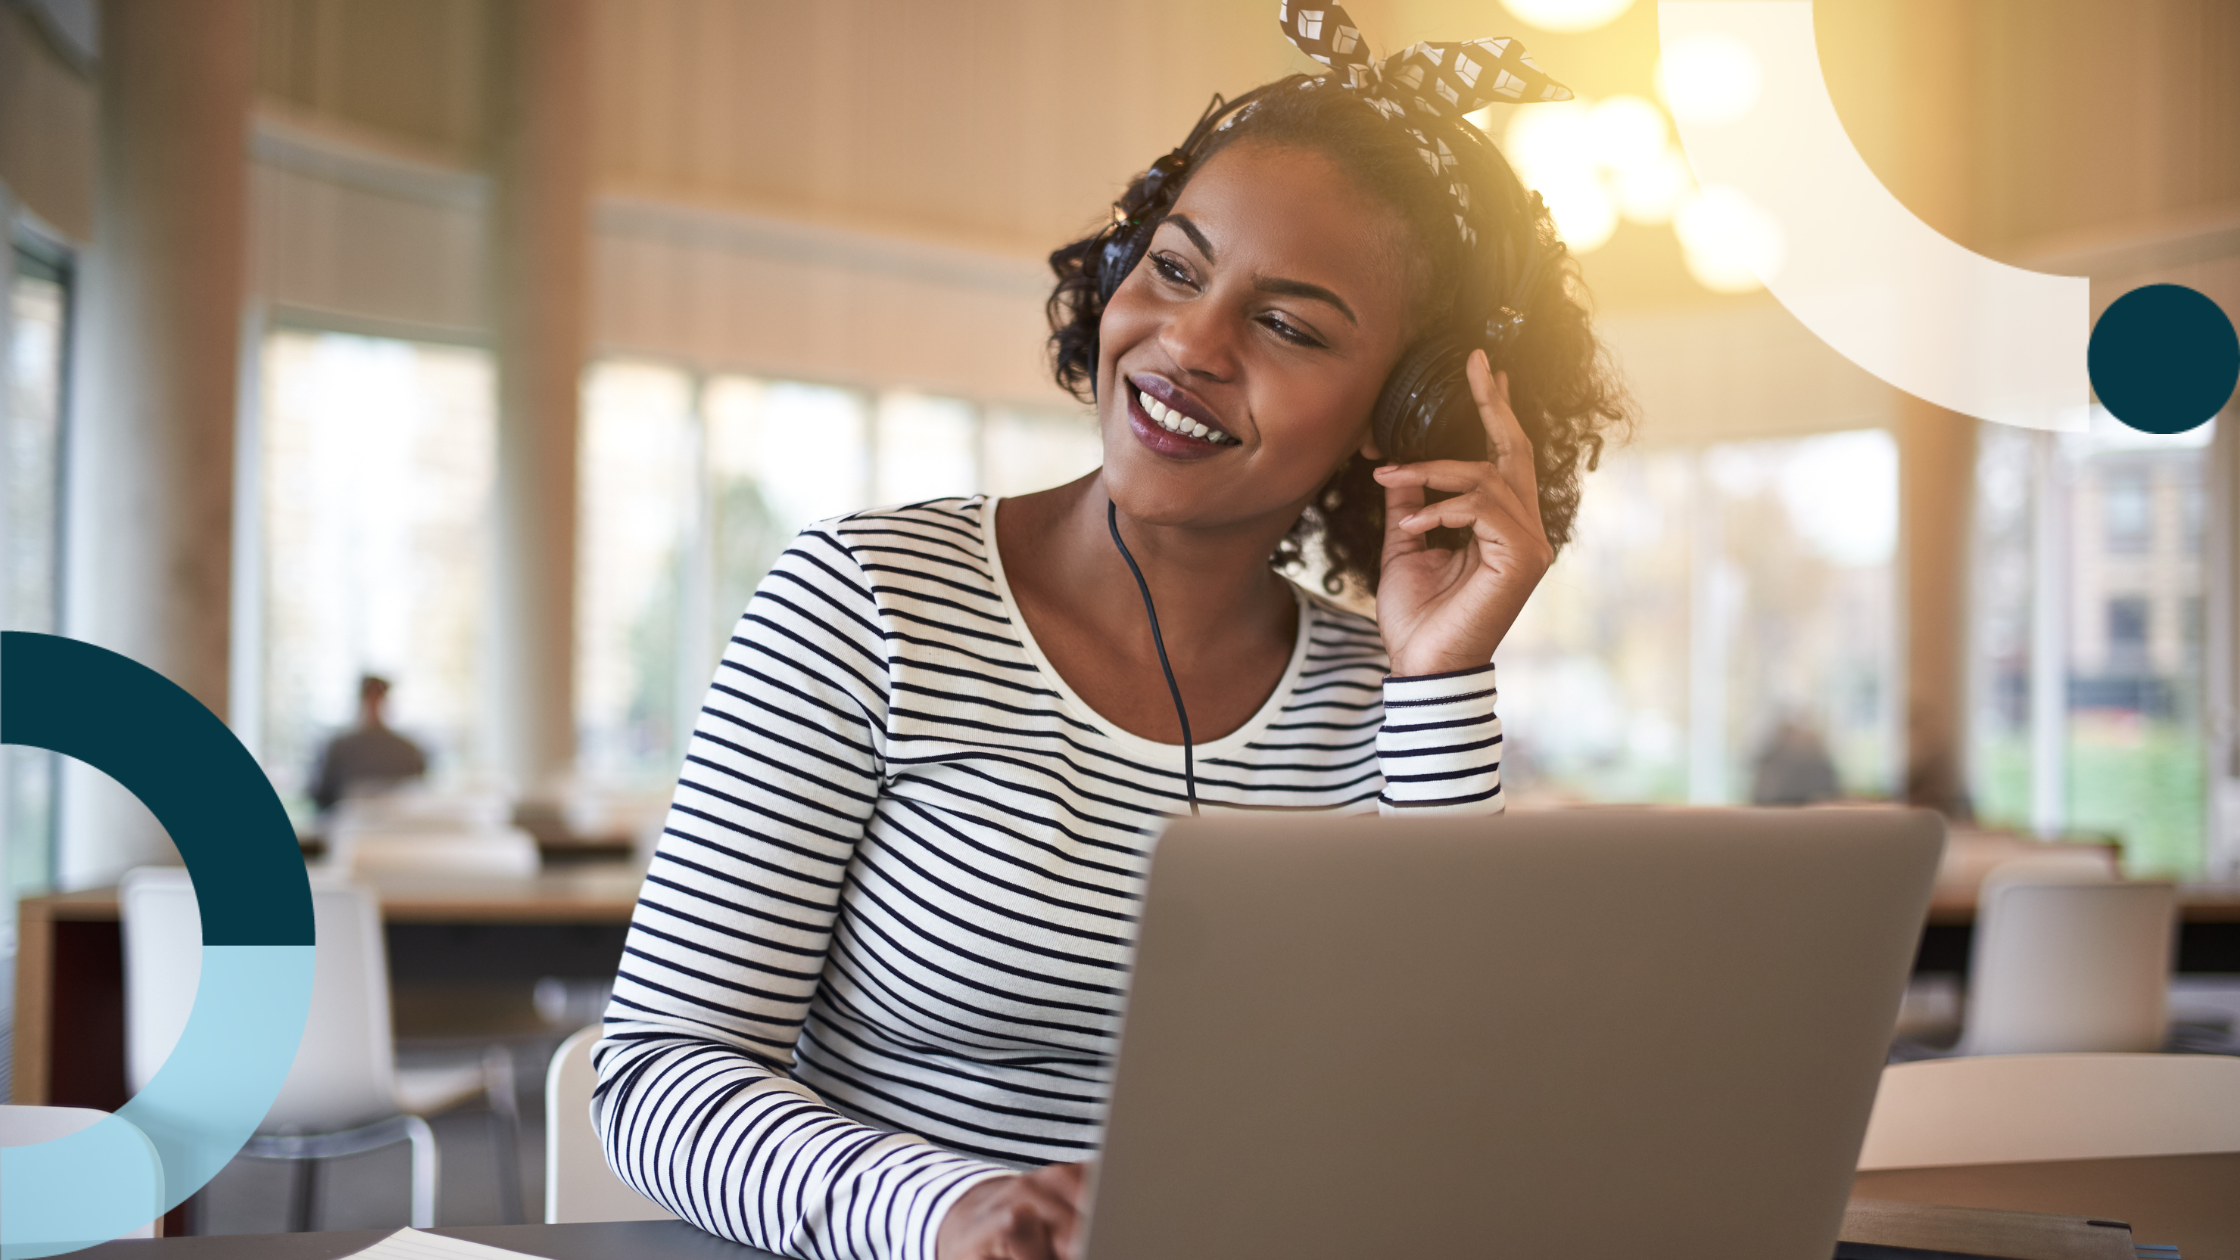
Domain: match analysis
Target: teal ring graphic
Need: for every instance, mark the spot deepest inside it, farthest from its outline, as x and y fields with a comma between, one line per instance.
x=120, y=717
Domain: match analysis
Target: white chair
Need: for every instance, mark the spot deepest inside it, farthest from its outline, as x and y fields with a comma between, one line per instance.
x=29, y=1126
x=344, y=1094
x=415, y=806
x=2013, y=1109
x=2067, y=959
x=578, y=1185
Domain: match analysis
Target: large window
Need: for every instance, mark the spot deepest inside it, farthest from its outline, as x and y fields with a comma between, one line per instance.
x=692, y=485
x=376, y=472
x=2087, y=644
x=1721, y=629
x=31, y=445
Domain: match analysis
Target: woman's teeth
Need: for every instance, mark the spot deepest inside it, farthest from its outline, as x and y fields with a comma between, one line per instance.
x=1175, y=422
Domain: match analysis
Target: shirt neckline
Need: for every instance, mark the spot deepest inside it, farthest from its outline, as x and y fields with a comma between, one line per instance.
x=1228, y=745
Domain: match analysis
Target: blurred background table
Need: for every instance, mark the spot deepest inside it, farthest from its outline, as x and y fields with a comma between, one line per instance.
x=2191, y=1202
x=640, y=1240
x=458, y=949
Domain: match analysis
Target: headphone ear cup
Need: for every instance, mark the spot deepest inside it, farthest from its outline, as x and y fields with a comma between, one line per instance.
x=1121, y=252
x=1425, y=410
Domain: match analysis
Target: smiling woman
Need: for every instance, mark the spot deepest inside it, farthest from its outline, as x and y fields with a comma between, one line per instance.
x=872, y=991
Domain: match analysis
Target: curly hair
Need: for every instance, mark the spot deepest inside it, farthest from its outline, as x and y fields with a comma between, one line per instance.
x=1565, y=393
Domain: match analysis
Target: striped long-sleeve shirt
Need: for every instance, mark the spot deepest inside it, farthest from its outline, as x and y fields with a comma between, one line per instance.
x=881, y=950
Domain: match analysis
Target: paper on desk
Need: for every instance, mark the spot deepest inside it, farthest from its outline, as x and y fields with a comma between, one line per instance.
x=412, y=1244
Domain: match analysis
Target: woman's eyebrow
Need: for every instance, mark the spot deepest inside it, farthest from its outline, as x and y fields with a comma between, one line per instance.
x=1300, y=288
x=1190, y=230
x=1267, y=284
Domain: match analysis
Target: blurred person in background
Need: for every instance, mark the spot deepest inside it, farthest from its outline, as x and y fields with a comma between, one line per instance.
x=1793, y=767
x=369, y=757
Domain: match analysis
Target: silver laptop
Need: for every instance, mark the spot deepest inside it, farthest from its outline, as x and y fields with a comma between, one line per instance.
x=1601, y=1033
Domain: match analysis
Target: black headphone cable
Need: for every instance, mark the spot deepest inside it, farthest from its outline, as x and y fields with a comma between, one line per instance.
x=1189, y=762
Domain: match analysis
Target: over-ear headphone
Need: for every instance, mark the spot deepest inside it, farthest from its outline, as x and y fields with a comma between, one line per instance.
x=1425, y=410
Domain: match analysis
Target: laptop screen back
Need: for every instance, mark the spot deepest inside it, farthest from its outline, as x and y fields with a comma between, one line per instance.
x=1602, y=1032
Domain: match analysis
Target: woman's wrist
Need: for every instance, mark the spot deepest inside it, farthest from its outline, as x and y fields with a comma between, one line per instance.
x=1409, y=669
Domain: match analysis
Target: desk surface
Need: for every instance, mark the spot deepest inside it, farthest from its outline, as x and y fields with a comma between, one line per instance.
x=606, y=892
x=2191, y=1202
x=587, y=892
x=2184, y=1201
x=612, y=1240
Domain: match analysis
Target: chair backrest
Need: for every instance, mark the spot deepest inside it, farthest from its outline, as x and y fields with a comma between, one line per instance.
x=414, y=806
x=345, y=1070
x=480, y=853
x=29, y=1126
x=2022, y=1108
x=2068, y=960
x=578, y=1185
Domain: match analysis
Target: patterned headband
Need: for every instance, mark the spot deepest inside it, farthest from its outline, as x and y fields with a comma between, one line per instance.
x=1437, y=83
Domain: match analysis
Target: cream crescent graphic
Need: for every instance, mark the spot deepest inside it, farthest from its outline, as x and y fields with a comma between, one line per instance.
x=1860, y=270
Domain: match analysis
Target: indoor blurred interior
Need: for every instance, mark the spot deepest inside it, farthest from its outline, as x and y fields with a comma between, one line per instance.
x=495, y=348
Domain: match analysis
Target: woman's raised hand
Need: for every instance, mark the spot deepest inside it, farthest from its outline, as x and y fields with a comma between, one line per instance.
x=1037, y=1216
x=1447, y=610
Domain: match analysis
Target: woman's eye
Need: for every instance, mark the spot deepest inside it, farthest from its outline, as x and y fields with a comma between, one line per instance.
x=1291, y=332
x=1170, y=270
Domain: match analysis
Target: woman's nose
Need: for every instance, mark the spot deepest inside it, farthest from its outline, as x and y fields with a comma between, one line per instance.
x=1200, y=337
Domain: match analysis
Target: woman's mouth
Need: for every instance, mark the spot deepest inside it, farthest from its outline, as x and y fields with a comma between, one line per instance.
x=1170, y=430
x=1174, y=421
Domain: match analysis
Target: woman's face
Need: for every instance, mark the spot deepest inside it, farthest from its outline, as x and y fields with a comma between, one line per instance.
x=1269, y=308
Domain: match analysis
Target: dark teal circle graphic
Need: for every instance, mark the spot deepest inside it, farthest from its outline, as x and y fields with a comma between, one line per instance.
x=258, y=952
x=143, y=730
x=2163, y=358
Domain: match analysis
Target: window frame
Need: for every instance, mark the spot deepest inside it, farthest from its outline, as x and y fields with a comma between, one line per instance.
x=34, y=250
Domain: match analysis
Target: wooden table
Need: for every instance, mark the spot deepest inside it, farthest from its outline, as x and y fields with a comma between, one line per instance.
x=608, y=1240
x=69, y=1021
x=2191, y=1202
x=569, y=921
x=676, y=1240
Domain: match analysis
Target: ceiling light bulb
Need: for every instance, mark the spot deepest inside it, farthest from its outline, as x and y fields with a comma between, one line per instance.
x=1728, y=243
x=1709, y=78
x=1626, y=131
x=1550, y=142
x=1567, y=15
x=1582, y=211
x=1648, y=191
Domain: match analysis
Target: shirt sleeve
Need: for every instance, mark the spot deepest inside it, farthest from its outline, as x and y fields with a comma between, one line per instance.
x=695, y=1103
x=1440, y=746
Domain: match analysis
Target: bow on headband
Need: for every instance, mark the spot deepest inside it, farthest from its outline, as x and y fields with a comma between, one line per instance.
x=1436, y=80
x=1432, y=81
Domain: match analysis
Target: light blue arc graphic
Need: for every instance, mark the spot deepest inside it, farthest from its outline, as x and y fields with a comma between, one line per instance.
x=182, y=1127
x=1864, y=273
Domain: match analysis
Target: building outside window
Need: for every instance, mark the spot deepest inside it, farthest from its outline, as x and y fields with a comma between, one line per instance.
x=2113, y=521
x=2127, y=638
x=2127, y=508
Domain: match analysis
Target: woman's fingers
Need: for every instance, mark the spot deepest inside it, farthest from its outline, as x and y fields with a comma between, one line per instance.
x=1401, y=500
x=1068, y=1188
x=1462, y=479
x=1032, y=1217
x=1505, y=438
x=1492, y=522
x=1439, y=474
x=1460, y=476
